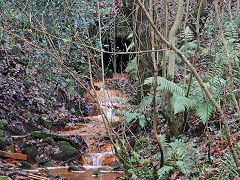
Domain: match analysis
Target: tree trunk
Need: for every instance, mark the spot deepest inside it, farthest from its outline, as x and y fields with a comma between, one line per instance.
x=172, y=123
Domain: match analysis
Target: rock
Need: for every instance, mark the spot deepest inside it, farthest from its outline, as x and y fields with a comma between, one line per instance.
x=67, y=152
x=107, y=160
x=49, y=140
x=73, y=167
x=25, y=165
x=31, y=152
x=116, y=165
x=43, y=160
x=48, y=164
x=5, y=178
x=17, y=127
x=45, y=121
x=75, y=141
x=58, y=177
x=96, y=173
x=2, y=144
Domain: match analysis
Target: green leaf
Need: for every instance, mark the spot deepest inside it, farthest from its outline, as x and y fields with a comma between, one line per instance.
x=203, y=111
x=130, y=36
x=65, y=40
x=44, y=117
x=131, y=65
x=179, y=103
x=130, y=46
x=182, y=167
x=164, y=170
x=145, y=102
x=71, y=90
x=40, y=99
x=130, y=116
x=164, y=84
x=142, y=121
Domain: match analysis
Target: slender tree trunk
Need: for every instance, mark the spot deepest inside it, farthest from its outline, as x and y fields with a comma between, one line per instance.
x=155, y=118
x=164, y=64
x=172, y=123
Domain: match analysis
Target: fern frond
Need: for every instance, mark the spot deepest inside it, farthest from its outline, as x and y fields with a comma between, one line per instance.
x=163, y=140
x=182, y=167
x=164, y=171
x=131, y=65
x=129, y=116
x=164, y=84
x=202, y=109
x=145, y=102
x=180, y=103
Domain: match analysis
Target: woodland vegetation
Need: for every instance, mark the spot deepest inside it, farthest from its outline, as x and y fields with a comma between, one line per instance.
x=182, y=60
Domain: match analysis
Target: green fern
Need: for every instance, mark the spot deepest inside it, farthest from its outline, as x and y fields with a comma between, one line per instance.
x=129, y=116
x=180, y=103
x=131, y=66
x=163, y=141
x=164, y=171
x=182, y=166
x=146, y=102
x=164, y=84
x=203, y=111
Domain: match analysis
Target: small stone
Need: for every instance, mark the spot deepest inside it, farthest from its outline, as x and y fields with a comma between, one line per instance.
x=96, y=173
x=74, y=168
x=58, y=177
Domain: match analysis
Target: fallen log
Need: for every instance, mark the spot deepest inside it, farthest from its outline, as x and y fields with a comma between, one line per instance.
x=19, y=156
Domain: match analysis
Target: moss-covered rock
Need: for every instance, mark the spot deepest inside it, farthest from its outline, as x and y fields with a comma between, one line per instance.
x=49, y=140
x=45, y=121
x=5, y=178
x=2, y=144
x=44, y=135
x=25, y=165
x=75, y=141
x=67, y=152
x=32, y=152
x=48, y=164
x=73, y=167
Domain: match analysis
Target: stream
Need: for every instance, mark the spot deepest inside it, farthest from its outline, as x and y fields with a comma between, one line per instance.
x=99, y=154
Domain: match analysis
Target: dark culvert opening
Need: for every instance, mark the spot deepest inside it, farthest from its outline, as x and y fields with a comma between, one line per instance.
x=118, y=45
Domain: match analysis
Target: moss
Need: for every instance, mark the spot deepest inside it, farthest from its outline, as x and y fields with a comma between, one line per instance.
x=73, y=167
x=45, y=121
x=25, y=165
x=67, y=152
x=48, y=164
x=32, y=152
x=49, y=140
x=5, y=178
x=43, y=135
x=143, y=140
x=2, y=144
